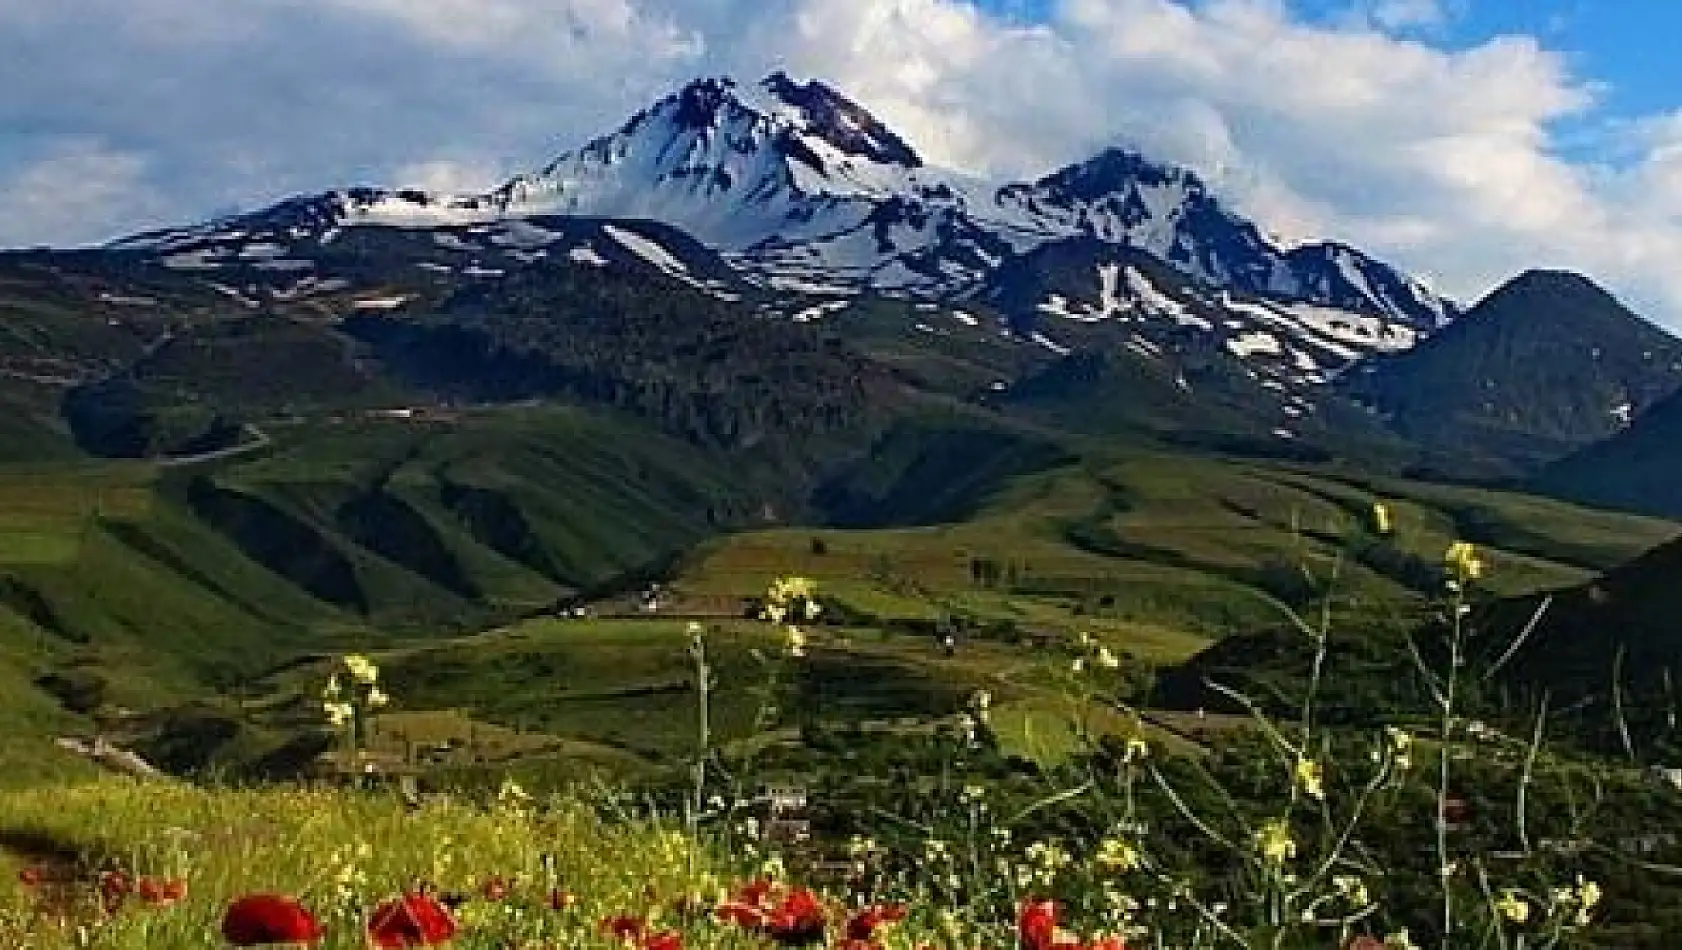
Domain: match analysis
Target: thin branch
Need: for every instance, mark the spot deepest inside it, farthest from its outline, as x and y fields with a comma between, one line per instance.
x=1518, y=641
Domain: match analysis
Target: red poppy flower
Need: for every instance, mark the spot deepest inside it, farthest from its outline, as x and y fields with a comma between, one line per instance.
x=665, y=940
x=862, y=925
x=414, y=920
x=625, y=927
x=175, y=889
x=31, y=877
x=798, y=920
x=755, y=892
x=268, y=919
x=1036, y=927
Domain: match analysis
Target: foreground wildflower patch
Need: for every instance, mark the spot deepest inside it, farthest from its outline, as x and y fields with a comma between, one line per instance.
x=1127, y=855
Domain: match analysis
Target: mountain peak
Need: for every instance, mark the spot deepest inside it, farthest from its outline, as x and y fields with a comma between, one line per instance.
x=698, y=102
x=1116, y=169
x=841, y=121
x=1561, y=295
x=1577, y=288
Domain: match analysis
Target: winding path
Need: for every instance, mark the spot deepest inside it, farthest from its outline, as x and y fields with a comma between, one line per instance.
x=258, y=440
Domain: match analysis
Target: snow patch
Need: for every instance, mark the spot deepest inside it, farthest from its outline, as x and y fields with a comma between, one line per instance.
x=1248, y=344
x=1051, y=344
x=452, y=242
x=230, y=292
x=647, y=249
x=1153, y=299
x=524, y=234
x=819, y=311
x=585, y=254
x=261, y=251
x=193, y=260
x=122, y=300
x=381, y=303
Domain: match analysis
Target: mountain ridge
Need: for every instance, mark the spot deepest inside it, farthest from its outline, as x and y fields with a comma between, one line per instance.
x=805, y=189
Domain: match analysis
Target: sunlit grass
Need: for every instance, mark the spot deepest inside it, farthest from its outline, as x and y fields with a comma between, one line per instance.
x=340, y=852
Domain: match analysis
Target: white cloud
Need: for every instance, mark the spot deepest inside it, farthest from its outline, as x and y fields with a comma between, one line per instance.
x=1397, y=14
x=1406, y=14
x=74, y=183
x=1448, y=161
x=450, y=177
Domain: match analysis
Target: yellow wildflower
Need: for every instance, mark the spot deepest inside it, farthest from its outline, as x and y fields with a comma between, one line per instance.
x=377, y=698
x=1401, y=747
x=1273, y=841
x=1137, y=748
x=1584, y=896
x=1463, y=562
x=1400, y=941
x=338, y=713
x=1048, y=856
x=511, y=794
x=1310, y=779
x=786, y=589
x=1352, y=888
x=1381, y=522
x=1513, y=907
x=1117, y=854
x=794, y=642
x=362, y=669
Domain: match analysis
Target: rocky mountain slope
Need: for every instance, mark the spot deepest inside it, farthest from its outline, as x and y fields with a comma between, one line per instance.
x=1544, y=365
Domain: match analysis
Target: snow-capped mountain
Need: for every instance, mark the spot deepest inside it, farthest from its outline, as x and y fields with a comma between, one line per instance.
x=1087, y=294
x=1123, y=198
x=800, y=191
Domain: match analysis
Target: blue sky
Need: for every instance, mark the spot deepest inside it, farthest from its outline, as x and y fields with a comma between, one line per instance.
x=1463, y=140
x=1628, y=45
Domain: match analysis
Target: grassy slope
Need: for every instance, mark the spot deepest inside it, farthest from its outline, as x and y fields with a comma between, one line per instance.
x=431, y=527
x=143, y=602
x=1198, y=534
